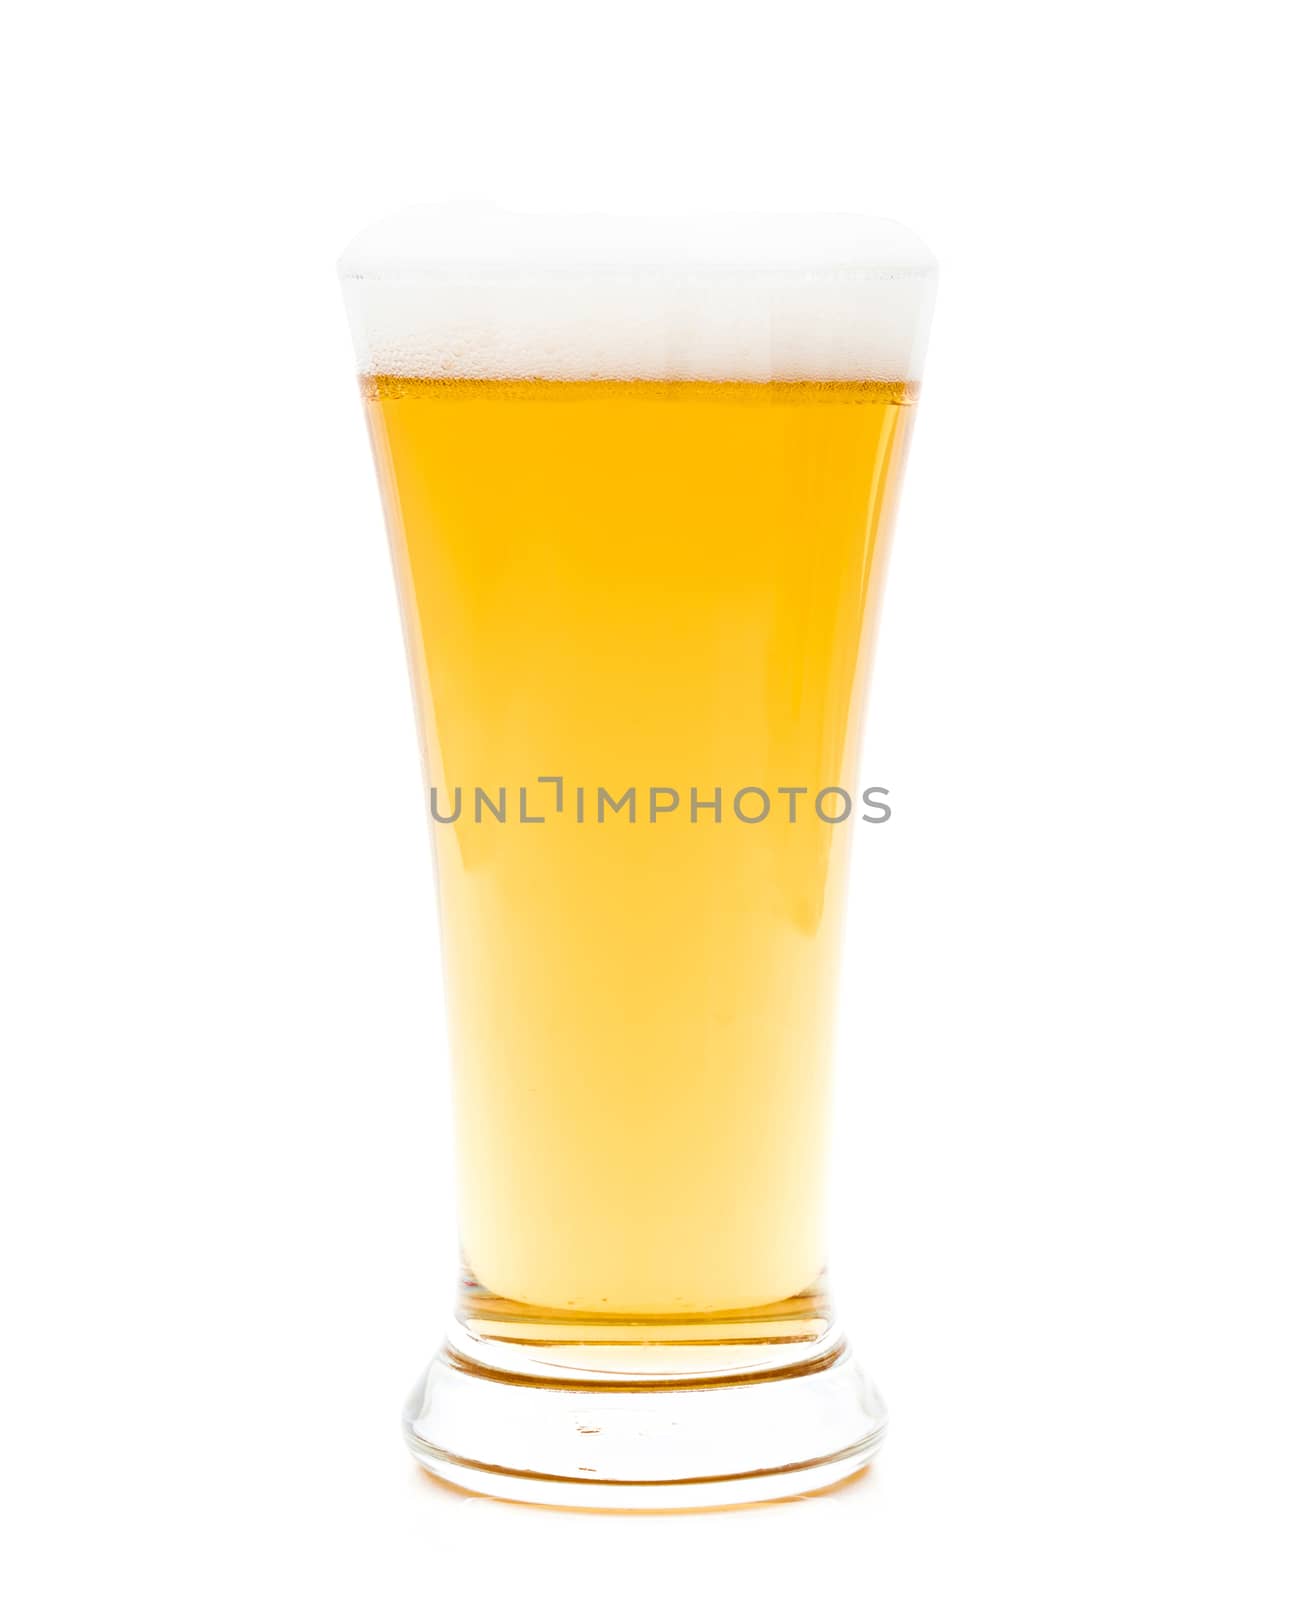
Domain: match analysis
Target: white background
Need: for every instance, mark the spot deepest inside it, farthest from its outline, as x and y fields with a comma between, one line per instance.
x=1070, y=1226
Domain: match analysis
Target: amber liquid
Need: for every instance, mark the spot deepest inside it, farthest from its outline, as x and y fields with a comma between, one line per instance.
x=640, y=585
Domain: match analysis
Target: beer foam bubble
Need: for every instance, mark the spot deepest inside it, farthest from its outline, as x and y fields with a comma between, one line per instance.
x=449, y=293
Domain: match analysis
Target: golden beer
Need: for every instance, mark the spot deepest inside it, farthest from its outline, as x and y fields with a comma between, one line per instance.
x=639, y=478
x=642, y=586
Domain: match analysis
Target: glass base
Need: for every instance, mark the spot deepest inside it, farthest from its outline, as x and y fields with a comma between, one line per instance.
x=615, y=1421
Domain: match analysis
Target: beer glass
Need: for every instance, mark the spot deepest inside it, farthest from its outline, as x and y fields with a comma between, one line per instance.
x=639, y=481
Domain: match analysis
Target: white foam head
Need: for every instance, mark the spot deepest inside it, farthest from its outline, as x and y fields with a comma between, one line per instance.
x=445, y=293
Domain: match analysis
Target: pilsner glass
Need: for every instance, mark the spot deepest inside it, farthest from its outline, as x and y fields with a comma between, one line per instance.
x=639, y=479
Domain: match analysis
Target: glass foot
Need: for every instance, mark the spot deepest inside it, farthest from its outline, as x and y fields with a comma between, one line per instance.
x=731, y=1425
